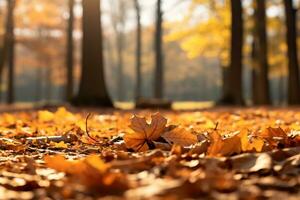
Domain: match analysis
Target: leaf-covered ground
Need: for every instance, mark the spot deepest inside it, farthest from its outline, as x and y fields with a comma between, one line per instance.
x=213, y=154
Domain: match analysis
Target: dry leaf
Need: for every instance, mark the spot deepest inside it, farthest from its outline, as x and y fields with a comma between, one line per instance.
x=91, y=172
x=145, y=133
x=249, y=163
x=274, y=136
x=180, y=136
x=45, y=116
x=250, y=145
x=223, y=147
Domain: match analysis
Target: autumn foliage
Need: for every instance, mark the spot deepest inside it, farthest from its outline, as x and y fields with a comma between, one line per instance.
x=170, y=154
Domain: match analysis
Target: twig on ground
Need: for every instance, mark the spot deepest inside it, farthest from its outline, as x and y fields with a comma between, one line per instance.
x=86, y=127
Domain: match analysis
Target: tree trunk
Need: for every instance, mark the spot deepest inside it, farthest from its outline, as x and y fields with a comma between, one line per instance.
x=226, y=82
x=70, y=54
x=263, y=96
x=6, y=41
x=3, y=58
x=138, y=51
x=120, y=73
x=159, y=73
x=92, y=90
x=234, y=95
x=253, y=72
x=293, y=66
x=10, y=50
x=2, y=62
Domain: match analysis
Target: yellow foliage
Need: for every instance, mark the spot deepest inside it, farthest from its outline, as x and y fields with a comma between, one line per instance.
x=208, y=37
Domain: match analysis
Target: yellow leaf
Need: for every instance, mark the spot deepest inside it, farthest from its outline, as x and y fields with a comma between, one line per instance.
x=45, y=116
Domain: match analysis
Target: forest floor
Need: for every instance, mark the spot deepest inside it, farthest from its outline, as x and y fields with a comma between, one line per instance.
x=213, y=153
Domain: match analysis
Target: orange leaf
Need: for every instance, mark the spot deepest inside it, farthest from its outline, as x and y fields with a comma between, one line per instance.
x=255, y=144
x=91, y=171
x=223, y=147
x=274, y=136
x=144, y=132
x=180, y=136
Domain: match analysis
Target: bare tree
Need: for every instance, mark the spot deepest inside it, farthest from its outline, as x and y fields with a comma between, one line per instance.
x=138, y=50
x=92, y=90
x=293, y=65
x=70, y=54
x=158, y=43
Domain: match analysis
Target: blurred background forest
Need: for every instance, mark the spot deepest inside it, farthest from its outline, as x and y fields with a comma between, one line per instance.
x=196, y=48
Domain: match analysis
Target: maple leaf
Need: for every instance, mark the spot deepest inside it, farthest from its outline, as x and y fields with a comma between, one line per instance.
x=223, y=147
x=180, y=136
x=144, y=133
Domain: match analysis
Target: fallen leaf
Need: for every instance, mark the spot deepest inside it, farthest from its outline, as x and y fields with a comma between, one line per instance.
x=144, y=133
x=45, y=116
x=274, y=136
x=180, y=136
x=247, y=163
x=223, y=147
x=91, y=172
x=252, y=144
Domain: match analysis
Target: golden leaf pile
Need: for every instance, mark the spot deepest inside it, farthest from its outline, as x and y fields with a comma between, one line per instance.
x=214, y=154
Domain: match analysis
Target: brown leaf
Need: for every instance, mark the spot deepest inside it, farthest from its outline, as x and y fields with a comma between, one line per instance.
x=180, y=136
x=144, y=133
x=274, y=136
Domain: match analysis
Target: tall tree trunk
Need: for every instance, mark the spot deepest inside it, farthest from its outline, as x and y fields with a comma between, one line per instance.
x=263, y=95
x=11, y=50
x=293, y=65
x=3, y=51
x=159, y=72
x=70, y=54
x=236, y=52
x=253, y=72
x=2, y=62
x=92, y=90
x=234, y=95
x=138, y=53
x=120, y=73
